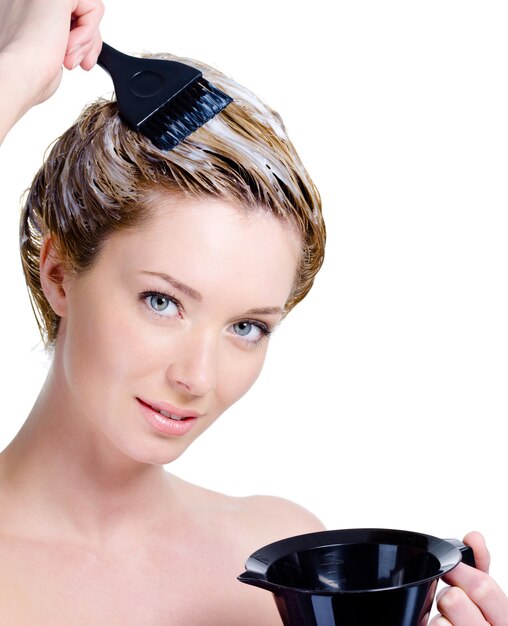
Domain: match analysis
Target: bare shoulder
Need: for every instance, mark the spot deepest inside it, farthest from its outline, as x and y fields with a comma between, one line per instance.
x=281, y=512
x=228, y=529
x=270, y=518
x=253, y=520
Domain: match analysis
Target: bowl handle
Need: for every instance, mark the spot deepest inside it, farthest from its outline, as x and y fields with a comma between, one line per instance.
x=466, y=551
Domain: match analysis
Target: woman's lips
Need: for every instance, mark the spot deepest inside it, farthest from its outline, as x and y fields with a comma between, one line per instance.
x=170, y=410
x=167, y=418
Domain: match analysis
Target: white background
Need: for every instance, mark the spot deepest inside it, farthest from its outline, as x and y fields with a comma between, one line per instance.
x=383, y=399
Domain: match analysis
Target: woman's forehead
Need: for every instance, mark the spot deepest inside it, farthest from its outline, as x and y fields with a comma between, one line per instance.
x=211, y=244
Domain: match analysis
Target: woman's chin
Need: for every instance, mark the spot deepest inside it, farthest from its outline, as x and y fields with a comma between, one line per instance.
x=160, y=453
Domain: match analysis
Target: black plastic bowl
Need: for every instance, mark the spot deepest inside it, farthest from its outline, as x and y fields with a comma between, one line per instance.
x=357, y=577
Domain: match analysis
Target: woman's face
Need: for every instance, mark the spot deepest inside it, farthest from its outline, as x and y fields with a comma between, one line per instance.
x=174, y=316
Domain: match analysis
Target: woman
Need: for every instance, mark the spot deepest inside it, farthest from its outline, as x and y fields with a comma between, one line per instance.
x=157, y=279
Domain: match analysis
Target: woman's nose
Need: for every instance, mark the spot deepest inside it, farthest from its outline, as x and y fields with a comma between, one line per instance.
x=193, y=367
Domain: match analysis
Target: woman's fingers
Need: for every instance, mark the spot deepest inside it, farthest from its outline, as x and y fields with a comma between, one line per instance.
x=473, y=598
x=457, y=608
x=84, y=42
x=85, y=56
x=90, y=59
x=478, y=591
x=481, y=553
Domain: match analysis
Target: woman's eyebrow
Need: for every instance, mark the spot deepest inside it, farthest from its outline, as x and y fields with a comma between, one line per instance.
x=195, y=295
x=267, y=310
x=192, y=293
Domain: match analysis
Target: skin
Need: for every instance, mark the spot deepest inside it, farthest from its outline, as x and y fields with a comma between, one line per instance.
x=104, y=497
x=35, y=43
x=473, y=598
x=99, y=553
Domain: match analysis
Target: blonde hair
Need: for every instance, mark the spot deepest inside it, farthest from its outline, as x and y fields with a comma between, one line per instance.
x=99, y=174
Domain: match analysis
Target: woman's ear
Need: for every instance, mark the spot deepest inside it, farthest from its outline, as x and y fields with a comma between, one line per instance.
x=53, y=277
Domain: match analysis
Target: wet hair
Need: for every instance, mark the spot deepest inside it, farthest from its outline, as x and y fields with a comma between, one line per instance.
x=99, y=176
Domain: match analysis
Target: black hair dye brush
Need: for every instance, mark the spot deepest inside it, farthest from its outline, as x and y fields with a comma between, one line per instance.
x=164, y=100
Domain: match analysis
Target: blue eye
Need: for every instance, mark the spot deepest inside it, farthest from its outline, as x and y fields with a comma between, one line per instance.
x=244, y=328
x=161, y=304
x=251, y=332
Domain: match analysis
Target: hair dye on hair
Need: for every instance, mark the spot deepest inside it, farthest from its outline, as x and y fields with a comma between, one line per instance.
x=99, y=176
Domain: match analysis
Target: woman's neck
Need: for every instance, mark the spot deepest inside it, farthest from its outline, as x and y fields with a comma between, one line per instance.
x=75, y=481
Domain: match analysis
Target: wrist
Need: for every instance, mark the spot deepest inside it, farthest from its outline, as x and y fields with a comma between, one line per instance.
x=21, y=94
x=15, y=85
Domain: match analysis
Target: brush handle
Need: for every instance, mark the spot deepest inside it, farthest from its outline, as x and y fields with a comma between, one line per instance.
x=123, y=69
x=164, y=100
x=107, y=57
x=144, y=85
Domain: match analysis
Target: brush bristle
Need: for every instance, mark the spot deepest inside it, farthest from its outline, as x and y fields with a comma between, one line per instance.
x=183, y=114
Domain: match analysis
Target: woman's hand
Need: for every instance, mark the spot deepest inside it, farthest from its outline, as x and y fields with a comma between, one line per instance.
x=37, y=37
x=473, y=599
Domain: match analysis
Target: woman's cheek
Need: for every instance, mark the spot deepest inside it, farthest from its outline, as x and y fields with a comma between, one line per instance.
x=242, y=372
